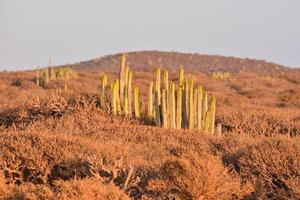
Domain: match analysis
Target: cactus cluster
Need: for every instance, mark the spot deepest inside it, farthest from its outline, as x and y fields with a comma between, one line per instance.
x=121, y=92
x=221, y=75
x=50, y=73
x=182, y=106
x=169, y=105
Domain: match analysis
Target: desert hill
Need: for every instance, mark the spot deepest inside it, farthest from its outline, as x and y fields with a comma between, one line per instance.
x=143, y=60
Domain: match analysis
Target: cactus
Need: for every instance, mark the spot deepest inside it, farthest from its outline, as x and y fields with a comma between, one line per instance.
x=157, y=85
x=157, y=110
x=126, y=74
x=52, y=73
x=207, y=120
x=185, y=105
x=212, y=115
x=122, y=78
x=166, y=80
x=164, y=108
x=136, y=102
x=103, y=91
x=126, y=110
x=205, y=107
x=179, y=108
x=114, y=98
x=47, y=75
x=166, y=87
x=191, y=105
x=172, y=106
x=118, y=100
x=150, y=100
x=129, y=92
x=181, y=77
x=38, y=77
x=199, y=108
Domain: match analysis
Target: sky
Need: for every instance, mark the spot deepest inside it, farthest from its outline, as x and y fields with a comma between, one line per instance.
x=68, y=31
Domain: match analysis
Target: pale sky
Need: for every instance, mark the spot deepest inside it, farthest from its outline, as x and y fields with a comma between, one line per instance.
x=69, y=31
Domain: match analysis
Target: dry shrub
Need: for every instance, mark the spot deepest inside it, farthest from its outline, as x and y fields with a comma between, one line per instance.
x=89, y=189
x=204, y=178
x=261, y=122
x=272, y=165
x=75, y=189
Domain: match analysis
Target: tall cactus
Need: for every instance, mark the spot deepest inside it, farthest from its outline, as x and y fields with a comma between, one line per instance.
x=191, y=105
x=103, y=91
x=205, y=107
x=212, y=115
x=126, y=110
x=157, y=110
x=52, y=74
x=38, y=77
x=47, y=78
x=207, y=120
x=185, y=104
x=114, y=93
x=129, y=92
x=150, y=100
x=181, y=77
x=164, y=108
x=199, y=108
x=157, y=85
x=118, y=101
x=122, y=77
x=166, y=87
x=172, y=106
x=178, y=108
x=136, y=102
x=166, y=80
x=127, y=69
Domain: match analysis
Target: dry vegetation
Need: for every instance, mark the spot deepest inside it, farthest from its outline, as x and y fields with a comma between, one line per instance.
x=58, y=144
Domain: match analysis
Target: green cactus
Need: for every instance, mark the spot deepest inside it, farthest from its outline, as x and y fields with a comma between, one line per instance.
x=103, y=91
x=118, y=101
x=157, y=85
x=126, y=111
x=212, y=115
x=157, y=110
x=185, y=105
x=38, y=77
x=181, y=77
x=150, y=100
x=199, y=108
x=114, y=98
x=207, y=120
x=179, y=108
x=172, y=109
x=166, y=87
x=129, y=92
x=122, y=78
x=164, y=109
x=191, y=105
x=127, y=69
x=47, y=78
x=136, y=102
x=205, y=107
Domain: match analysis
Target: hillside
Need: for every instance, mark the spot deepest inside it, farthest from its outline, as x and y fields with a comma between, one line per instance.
x=143, y=60
x=57, y=143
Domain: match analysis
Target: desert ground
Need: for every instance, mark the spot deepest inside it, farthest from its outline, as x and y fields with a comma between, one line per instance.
x=56, y=142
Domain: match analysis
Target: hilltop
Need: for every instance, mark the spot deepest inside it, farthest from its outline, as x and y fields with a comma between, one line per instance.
x=143, y=60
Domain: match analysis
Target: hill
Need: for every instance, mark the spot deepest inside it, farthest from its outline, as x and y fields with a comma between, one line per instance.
x=143, y=60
